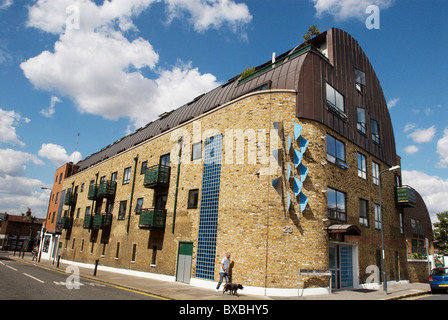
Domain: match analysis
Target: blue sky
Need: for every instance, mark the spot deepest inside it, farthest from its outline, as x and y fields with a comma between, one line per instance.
x=103, y=69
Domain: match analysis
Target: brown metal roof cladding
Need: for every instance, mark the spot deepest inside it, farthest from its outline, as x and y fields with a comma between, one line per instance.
x=292, y=70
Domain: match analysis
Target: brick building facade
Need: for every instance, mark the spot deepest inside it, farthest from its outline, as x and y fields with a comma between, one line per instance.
x=281, y=168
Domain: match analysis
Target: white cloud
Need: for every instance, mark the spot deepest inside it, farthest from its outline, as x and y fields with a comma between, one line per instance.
x=346, y=9
x=8, y=122
x=101, y=70
x=13, y=162
x=408, y=127
x=423, y=135
x=207, y=14
x=442, y=150
x=49, y=112
x=58, y=155
x=17, y=194
x=393, y=102
x=5, y=4
x=433, y=189
x=411, y=149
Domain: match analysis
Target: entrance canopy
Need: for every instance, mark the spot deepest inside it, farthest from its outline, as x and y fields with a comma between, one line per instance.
x=346, y=229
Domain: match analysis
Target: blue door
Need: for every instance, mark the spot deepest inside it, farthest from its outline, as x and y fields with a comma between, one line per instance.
x=346, y=267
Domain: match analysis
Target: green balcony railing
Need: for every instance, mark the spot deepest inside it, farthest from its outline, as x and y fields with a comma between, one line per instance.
x=70, y=199
x=102, y=221
x=152, y=219
x=88, y=221
x=107, y=189
x=67, y=223
x=405, y=196
x=157, y=177
x=93, y=192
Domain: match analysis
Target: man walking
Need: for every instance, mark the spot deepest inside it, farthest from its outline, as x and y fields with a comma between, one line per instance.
x=224, y=271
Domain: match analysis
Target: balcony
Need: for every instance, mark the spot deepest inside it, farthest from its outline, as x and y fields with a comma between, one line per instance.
x=157, y=177
x=93, y=192
x=70, y=199
x=88, y=220
x=152, y=219
x=405, y=196
x=67, y=223
x=106, y=189
x=102, y=221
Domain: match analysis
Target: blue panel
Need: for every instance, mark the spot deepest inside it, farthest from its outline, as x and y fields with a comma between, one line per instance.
x=297, y=130
x=346, y=267
x=297, y=158
x=288, y=172
x=303, y=145
x=303, y=201
x=303, y=171
x=208, y=215
x=289, y=143
x=276, y=183
x=297, y=186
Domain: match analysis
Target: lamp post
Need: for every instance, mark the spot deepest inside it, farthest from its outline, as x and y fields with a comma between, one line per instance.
x=383, y=258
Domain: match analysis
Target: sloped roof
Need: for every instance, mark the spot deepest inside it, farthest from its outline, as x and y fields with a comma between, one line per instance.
x=281, y=75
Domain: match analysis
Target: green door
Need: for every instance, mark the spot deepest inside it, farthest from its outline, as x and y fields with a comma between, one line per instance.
x=185, y=252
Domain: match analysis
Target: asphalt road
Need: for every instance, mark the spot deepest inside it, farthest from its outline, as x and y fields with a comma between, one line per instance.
x=25, y=280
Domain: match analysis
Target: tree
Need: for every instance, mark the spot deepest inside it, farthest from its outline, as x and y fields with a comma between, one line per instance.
x=312, y=32
x=441, y=233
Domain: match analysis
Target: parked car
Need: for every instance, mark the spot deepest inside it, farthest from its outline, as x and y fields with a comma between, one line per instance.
x=438, y=280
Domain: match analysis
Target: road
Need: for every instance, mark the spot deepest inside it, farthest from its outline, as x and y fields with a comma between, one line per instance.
x=25, y=280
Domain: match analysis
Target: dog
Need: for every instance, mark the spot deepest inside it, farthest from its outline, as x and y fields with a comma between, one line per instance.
x=232, y=288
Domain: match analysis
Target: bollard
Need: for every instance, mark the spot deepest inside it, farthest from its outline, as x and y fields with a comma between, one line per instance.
x=57, y=265
x=96, y=267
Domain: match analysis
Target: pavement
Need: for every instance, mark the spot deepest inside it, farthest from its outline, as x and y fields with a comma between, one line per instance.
x=179, y=291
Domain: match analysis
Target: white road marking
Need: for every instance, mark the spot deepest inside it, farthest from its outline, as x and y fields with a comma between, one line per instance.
x=11, y=267
x=33, y=278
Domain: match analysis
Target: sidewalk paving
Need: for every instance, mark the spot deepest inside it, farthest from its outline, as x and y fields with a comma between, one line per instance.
x=180, y=291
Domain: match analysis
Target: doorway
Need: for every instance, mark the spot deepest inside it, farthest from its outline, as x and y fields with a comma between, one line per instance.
x=342, y=265
x=184, y=257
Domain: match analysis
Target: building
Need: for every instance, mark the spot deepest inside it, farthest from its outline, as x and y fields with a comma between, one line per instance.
x=19, y=233
x=281, y=167
x=53, y=223
x=419, y=240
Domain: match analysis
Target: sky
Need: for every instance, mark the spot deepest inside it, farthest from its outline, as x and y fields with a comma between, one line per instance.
x=77, y=75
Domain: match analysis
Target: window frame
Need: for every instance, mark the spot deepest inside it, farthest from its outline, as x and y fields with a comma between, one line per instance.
x=339, y=212
x=193, y=155
x=362, y=167
x=360, y=125
x=378, y=219
x=334, y=102
x=193, y=204
x=375, y=173
x=127, y=175
x=375, y=131
x=335, y=144
x=363, y=214
x=122, y=210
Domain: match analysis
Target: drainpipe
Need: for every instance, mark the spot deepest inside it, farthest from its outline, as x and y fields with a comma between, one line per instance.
x=132, y=192
x=177, y=183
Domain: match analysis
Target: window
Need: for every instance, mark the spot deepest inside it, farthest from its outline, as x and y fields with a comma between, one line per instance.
x=336, y=205
x=375, y=131
x=335, y=99
x=122, y=211
x=193, y=196
x=401, y=224
x=113, y=177
x=77, y=212
x=362, y=166
x=127, y=175
x=360, y=78
x=134, y=251
x=87, y=213
x=139, y=205
x=361, y=119
x=165, y=160
x=102, y=179
x=144, y=165
x=117, y=251
x=82, y=187
x=197, y=151
x=363, y=212
x=376, y=173
x=336, y=151
x=57, y=196
x=378, y=220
